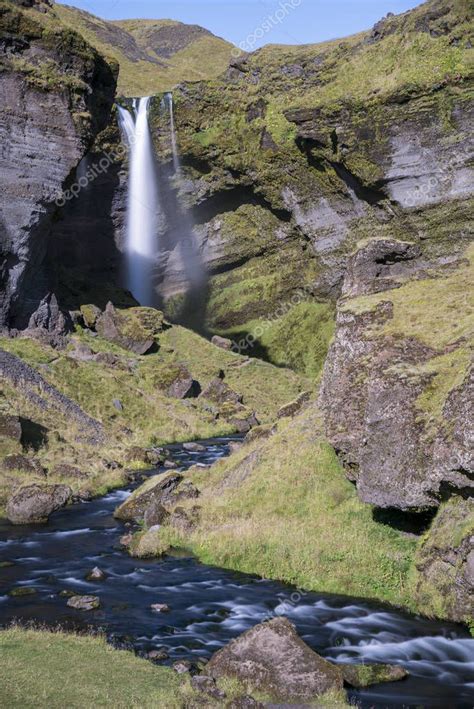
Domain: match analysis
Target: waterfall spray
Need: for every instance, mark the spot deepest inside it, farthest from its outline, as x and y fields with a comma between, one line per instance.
x=141, y=247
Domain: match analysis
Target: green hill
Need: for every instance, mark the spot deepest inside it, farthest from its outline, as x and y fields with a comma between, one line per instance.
x=154, y=55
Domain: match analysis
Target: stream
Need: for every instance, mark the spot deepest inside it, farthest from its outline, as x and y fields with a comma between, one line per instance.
x=210, y=606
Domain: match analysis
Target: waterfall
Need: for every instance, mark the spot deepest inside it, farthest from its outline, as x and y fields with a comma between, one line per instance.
x=141, y=245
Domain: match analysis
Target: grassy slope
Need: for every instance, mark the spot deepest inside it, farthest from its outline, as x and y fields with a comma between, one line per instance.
x=296, y=518
x=204, y=58
x=40, y=669
x=148, y=414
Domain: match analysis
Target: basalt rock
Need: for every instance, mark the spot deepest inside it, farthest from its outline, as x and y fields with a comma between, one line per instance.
x=34, y=504
x=272, y=659
x=49, y=323
x=127, y=329
x=397, y=386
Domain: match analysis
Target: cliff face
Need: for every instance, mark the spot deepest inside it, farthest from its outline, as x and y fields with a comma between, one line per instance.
x=56, y=93
x=299, y=153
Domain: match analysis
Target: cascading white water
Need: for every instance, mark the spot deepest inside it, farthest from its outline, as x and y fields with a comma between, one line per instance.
x=141, y=247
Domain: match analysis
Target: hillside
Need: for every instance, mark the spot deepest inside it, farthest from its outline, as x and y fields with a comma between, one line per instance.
x=153, y=55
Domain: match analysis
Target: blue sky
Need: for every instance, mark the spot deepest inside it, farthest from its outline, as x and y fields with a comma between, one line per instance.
x=305, y=21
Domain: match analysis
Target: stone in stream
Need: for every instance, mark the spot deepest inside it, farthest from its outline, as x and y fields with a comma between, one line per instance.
x=84, y=603
x=96, y=574
x=194, y=447
x=157, y=655
x=34, y=503
x=22, y=591
x=160, y=608
x=155, y=489
x=271, y=658
x=360, y=676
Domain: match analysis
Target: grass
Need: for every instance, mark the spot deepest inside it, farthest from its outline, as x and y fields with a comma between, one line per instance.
x=283, y=509
x=205, y=57
x=43, y=668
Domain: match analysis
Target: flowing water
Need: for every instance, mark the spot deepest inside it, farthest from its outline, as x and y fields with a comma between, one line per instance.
x=141, y=246
x=210, y=606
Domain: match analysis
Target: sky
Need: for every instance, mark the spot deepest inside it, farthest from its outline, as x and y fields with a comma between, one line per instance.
x=254, y=23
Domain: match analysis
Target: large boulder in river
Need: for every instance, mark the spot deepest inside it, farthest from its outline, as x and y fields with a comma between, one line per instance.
x=33, y=504
x=156, y=489
x=272, y=659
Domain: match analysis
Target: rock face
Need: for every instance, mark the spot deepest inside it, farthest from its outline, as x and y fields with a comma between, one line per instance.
x=445, y=562
x=272, y=659
x=55, y=96
x=34, y=503
x=155, y=490
x=397, y=385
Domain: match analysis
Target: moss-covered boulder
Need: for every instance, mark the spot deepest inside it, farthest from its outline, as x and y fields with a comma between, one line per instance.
x=361, y=676
x=273, y=660
x=155, y=490
x=33, y=504
x=134, y=329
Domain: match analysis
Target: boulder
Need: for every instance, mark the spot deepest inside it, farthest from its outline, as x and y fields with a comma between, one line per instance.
x=155, y=515
x=182, y=666
x=33, y=504
x=360, y=676
x=272, y=659
x=155, y=489
x=49, y=322
x=194, y=447
x=96, y=574
x=294, y=407
x=223, y=342
x=207, y=685
x=65, y=470
x=157, y=655
x=90, y=315
x=184, y=520
x=219, y=392
x=84, y=603
x=181, y=384
x=129, y=329
x=22, y=464
x=10, y=427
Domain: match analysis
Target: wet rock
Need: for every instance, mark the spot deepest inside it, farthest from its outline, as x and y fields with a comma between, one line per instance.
x=66, y=593
x=155, y=489
x=160, y=608
x=272, y=659
x=365, y=675
x=84, y=603
x=34, y=503
x=126, y=539
x=170, y=464
x=22, y=591
x=10, y=427
x=22, y=464
x=96, y=574
x=6, y=564
x=157, y=655
x=193, y=447
x=207, y=685
x=294, y=407
x=155, y=515
x=223, y=342
x=182, y=666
